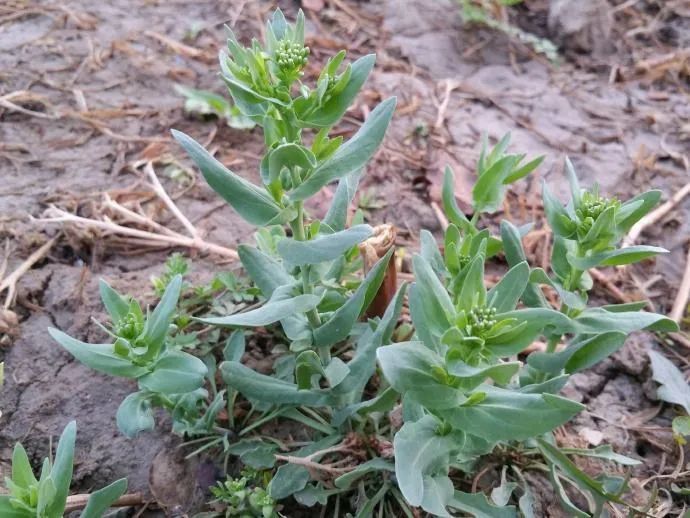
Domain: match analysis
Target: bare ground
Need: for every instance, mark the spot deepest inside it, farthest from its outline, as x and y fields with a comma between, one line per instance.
x=92, y=93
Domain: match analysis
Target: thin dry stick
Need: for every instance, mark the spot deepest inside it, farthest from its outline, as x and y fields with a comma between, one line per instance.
x=158, y=189
x=9, y=283
x=655, y=215
x=159, y=235
x=449, y=86
x=680, y=304
x=76, y=502
x=56, y=215
x=310, y=464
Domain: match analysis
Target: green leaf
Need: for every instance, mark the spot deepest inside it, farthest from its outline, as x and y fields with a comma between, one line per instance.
x=336, y=218
x=599, y=320
x=681, y=428
x=324, y=248
x=384, y=402
x=552, y=386
x=501, y=495
x=7, y=510
x=116, y=305
x=99, y=357
x=478, y=506
x=135, y=414
x=420, y=451
x=563, y=495
x=433, y=297
x=267, y=273
x=363, y=365
x=471, y=376
x=632, y=210
x=289, y=156
x=554, y=456
x=431, y=254
x=515, y=254
x=291, y=478
x=450, y=206
x=569, y=298
x=473, y=292
x=332, y=110
x=254, y=453
x=46, y=494
x=307, y=365
x=605, y=451
x=674, y=389
x=352, y=155
x=176, y=372
x=409, y=366
x=272, y=311
x=267, y=388
x=61, y=471
x=22, y=474
x=487, y=193
x=521, y=172
x=631, y=254
x=505, y=295
x=438, y=491
x=234, y=346
x=336, y=371
x=578, y=355
x=575, y=190
x=158, y=323
x=99, y=501
x=376, y=464
x=339, y=326
x=429, y=332
x=558, y=218
x=501, y=415
x=250, y=202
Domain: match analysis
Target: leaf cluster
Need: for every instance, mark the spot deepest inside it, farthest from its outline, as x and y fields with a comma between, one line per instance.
x=46, y=496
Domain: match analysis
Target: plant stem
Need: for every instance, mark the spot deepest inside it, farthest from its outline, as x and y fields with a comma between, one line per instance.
x=552, y=343
x=312, y=314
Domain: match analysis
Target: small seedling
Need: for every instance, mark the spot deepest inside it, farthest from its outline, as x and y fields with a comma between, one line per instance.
x=46, y=497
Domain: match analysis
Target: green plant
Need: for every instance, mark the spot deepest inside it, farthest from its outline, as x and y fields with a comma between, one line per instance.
x=492, y=13
x=209, y=103
x=306, y=277
x=46, y=497
x=244, y=497
x=456, y=378
x=166, y=377
x=673, y=389
x=464, y=394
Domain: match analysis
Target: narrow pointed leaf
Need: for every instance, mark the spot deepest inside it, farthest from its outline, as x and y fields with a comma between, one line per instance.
x=250, y=202
x=99, y=501
x=271, y=312
x=631, y=254
x=505, y=295
x=61, y=471
x=352, y=155
x=267, y=273
x=340, y=324
x=267, y=388
x=323, y=248
x=176, y=372
x=99, y=357
x=336, y=218
x=116, y=305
